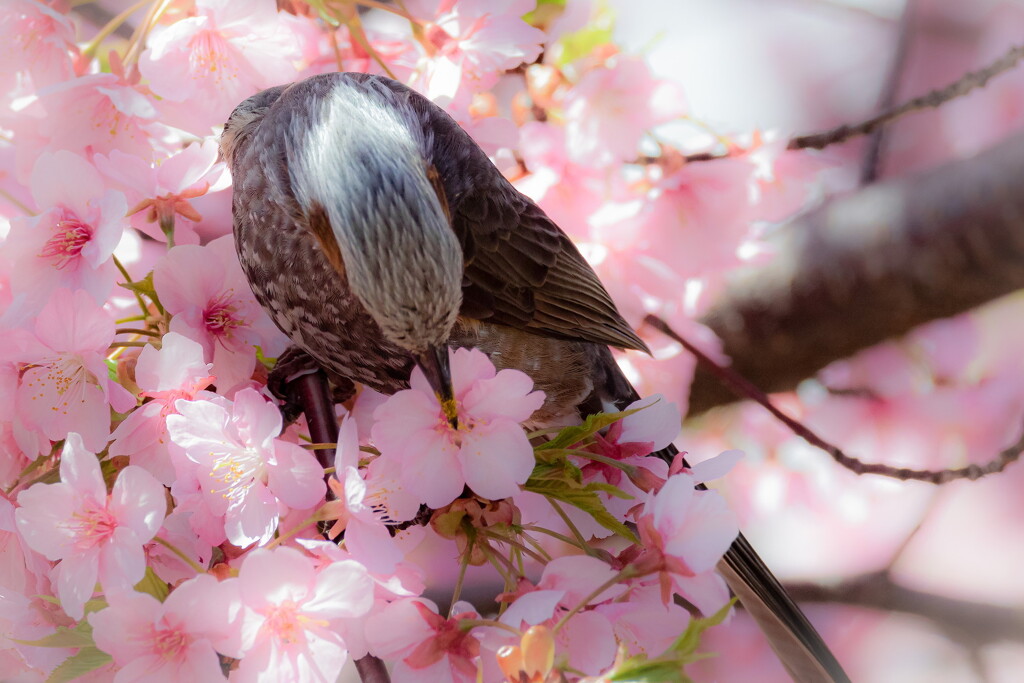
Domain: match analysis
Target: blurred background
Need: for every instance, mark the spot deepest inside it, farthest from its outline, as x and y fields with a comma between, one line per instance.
x=907, y=581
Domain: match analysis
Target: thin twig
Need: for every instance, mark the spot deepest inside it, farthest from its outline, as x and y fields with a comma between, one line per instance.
x=745, y=389
x=887, y=97
x=968, y=82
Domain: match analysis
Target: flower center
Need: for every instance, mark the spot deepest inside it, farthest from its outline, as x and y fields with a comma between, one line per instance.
x=221, y=316
x=237, y=472
x=91, y=526
x=209, y=57
x=69, y=238
x=65, y=373
x=170, y=643
x=288, y=624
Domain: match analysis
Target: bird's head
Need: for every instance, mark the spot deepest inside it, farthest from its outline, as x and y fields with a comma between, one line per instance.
x=361, y=166
x=245, y=117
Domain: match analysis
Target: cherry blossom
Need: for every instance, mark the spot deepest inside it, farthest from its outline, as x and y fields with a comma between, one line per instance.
x=205, y=290
x=40, y=43
x=488, y=452
x=612, y=107
x=70, y=243
x=93, y=534
x=366, y=537
x=468, y=42
x=220, y=55
x=175, y=371
x=684, y=531
x=426, y=645
x=171, y=641
x=162, y=192
x=97, y=113
x=245, y=472
x=64, y=383
x=289, y=612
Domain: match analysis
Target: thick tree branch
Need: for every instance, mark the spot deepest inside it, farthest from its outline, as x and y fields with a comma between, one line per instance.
x=969, y=623
x=871, y=266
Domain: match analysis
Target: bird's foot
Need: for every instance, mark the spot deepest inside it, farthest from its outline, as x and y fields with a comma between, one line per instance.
x=293, y=363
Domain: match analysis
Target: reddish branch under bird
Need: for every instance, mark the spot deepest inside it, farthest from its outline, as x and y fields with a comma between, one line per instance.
x=376, y=234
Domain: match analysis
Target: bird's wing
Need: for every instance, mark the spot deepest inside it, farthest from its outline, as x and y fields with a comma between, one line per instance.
x=523, y=271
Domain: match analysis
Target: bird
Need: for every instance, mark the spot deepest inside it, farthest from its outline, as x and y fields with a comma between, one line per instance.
x=377, y=235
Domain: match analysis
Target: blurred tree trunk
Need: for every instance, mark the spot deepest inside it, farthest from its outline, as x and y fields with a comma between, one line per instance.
x=870, y=266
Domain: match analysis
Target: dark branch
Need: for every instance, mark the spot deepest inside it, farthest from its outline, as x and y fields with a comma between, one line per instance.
x=970, y=81
x=314, y=395
x=876, y=144
x=872, y=266
x=969, y=623
x=744, y=389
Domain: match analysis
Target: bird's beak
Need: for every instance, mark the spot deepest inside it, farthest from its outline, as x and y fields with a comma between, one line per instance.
x=434, y=364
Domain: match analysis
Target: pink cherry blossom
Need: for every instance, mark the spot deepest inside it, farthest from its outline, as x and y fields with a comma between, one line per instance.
x=366, y=537
x=569, y=192
x=64, y=385
x=98, y=113
x=645, y=624
x=70, y=243
x=244, y=470
x=489, y=451
x=469, y=42
x=174, y=371
x=613, y=106
x=786, y=179
x=219, y=56
x=290, y=612
x=428, y=647
x=93, y=534
x=177, y=530
x=206, y=291
x=684, y=532
x=587, y=637
x=161, y=193
x=39, y=45
x=172, y=641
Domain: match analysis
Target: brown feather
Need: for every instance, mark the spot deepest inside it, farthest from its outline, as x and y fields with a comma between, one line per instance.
x=320, y=226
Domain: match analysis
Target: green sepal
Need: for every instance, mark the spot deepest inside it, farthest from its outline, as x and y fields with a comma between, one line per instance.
x=87, y=659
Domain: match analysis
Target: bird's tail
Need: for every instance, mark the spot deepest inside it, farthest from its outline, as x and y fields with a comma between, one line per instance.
x=794, y=639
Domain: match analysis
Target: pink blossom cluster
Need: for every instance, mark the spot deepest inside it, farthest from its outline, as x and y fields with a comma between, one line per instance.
x=159, y=520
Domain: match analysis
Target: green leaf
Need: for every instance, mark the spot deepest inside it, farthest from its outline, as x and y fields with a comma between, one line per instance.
x=145, y=288
x=638, y=670
x=581, y=43
x=614, y=491
x=545, y=13
x=267, y=361
x=582, y=498
x=111, y=369
x=686, y=644
x=63, y=637
x=559, y=469
x=577, y=433
x=88, y=659
x=153, y=585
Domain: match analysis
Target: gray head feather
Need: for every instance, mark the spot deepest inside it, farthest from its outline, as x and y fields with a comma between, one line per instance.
x=362, y=161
